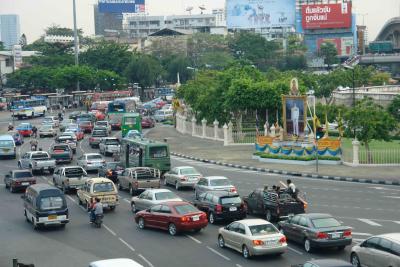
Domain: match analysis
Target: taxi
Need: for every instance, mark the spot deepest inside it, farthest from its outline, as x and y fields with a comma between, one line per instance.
x=101, y=188
x=25, y=129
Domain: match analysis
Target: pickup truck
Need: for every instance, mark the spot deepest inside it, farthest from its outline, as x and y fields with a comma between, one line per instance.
x=37, y=161
x=97, y=135
x=69, y=178
x=273, y=205
x=62, y=153
x=109, y=145
x=67, y=139
x=138, y=179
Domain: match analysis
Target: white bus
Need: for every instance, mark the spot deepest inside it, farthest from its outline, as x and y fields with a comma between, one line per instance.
x=29, y=108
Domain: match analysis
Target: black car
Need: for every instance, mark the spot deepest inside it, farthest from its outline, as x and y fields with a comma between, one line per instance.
x=74, y=115
x=316, y=230
x=221, y=205
x=111, y=170
x=325, y=263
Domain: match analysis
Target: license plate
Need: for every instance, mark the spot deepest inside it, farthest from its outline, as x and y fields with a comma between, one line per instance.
x=270, y=242
x=25, y=183
x=232, y=209
x=52, y=217
x=196, y=218
x=335, y=235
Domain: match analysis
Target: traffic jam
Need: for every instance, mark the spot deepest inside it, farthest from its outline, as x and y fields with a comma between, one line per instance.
x=266, y=221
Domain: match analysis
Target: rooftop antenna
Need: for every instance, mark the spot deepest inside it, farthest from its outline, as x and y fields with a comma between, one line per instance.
x=202, y=8
x=189, y=9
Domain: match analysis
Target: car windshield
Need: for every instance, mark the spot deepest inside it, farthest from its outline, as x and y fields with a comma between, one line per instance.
x=40, y=156
x=63, y=148
x=46, y=127
x=74, y=172
x=103, y=187
x=6, y=143
x=219, y=182
x=94, y=157
x=325, y=222
x=99, y=133
x=65, y=137
x=85, y=122
x=165, y=195
x=158, y=152
x=187, y=171
x=19, y=175
x=112, y=142
x=231, y=200
x=130, y=120
x=49, y=203
x=263, y=229
x=111, y=165
x=185, y=209
x=101, y=123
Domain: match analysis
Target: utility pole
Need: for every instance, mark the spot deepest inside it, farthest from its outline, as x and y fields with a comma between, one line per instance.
x=76, y=41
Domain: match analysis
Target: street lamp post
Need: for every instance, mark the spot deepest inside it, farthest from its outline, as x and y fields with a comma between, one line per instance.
x=76, y=42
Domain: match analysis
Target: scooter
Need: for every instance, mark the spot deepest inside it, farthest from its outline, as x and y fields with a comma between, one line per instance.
x=98, y=221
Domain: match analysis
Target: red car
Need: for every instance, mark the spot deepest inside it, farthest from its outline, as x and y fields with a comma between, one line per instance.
x=147, y=122
x=174, y=216
x=100, y=116
x=86, y=126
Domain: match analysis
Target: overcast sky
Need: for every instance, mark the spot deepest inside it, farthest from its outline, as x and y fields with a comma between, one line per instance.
x=36, y=15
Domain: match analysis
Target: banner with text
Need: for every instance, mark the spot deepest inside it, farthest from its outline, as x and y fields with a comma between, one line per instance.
x=121, y=6
x=326, y=16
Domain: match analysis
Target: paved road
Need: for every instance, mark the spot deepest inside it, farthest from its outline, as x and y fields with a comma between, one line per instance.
x=367, y=208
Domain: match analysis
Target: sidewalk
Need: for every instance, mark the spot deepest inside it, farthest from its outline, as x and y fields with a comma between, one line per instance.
x=241, y=155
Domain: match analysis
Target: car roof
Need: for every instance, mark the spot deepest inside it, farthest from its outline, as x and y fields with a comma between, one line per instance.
x=6, y=137
x=91, y=154
x=251, y=222
x=392, y=236
x=20, y=171
x=157, y=190
x=216, y=177
x=185, y=167
x=316, y=215
x=122, y=262
x=330, y=263
x=222, y=193
x=176, y=203
x=99, y=180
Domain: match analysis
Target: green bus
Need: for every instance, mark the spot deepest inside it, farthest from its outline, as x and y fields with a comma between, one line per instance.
x=131, y=121
x=140, y=152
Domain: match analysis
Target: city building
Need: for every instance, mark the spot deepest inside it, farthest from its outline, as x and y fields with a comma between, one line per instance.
x=104, y=22
x=220, y=17
x=9, y=30
x=7, y=64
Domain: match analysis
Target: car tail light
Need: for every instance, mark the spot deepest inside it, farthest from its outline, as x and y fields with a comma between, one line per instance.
x=282, y=240
x=233, y=190
x=218, y=208
x=321, y=235
x=347, y=233
x=258, y=242
x=305, y=205
x=184, y=178
x=17, y=182
x=185, y=219
x=203, y=216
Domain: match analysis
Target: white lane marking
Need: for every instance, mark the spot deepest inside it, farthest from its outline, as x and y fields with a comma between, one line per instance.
x=361, y=234
x=194, y=239
x=146, y=260
x=219, y=254
x=127, y=200
x=238, y=265
x=295, y=250
x=109, y=229
x=392, y=197
x=367, y=221
x=73, y=200
x=384, y=188
x=398, y=222
x=2, y=184
x=126, y=244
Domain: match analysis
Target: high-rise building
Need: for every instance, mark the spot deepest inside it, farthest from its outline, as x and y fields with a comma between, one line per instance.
x=104, y=22
x=9, y=30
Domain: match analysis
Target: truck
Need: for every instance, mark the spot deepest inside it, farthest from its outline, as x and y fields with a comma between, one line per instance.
x=273, y=205
x=69, y=178
x=37, y=161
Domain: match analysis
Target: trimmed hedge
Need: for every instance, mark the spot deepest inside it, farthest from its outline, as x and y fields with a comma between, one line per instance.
x=300, y=158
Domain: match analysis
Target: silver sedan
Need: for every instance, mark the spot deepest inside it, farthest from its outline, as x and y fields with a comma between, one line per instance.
x=151, y=197
x=182, y=176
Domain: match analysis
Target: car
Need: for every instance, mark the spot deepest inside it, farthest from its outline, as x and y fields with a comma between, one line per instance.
x=7, y=146
x=47, y=130
x=74, y=115
x=148, y=122
x=167, y=107
x=325, y=263
x=252, y=237
x=86, y=117
x=97, y=135
x=138, y=179
x=18, y=138
x=377, y=251
x=67, y=139
x=104, y=124
x=79, y=134
x=37, y=161
x=91, y=161
x=162, y=115
x=111, y=170
x=173, y=216
x=61, y=153
x=52, y=120
x=25, y=129
x=115, y=263
x=101, y=188
x=133, y=134
x=184, y=176
x=71, y=135
x=19, y=180
x=316, y=230
x=69, y=178
x=151, y=197
x=65, y=124
x=98, y=114
x=86, y=126
x=213, y=183
x=221, y=206
x=109, y=145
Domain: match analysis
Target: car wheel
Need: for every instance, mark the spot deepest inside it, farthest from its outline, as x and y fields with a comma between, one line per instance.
x=141, y=223
x=355, y=261
x=307, y=245
x=133, y=207
x=177, y=186
x=119, y=186
x=245, y=252
x=172, y=229
x=51, y=170
x=26, y=215
x=221, y=241
x=211, y=218
x=112, y=208
x=40, y=136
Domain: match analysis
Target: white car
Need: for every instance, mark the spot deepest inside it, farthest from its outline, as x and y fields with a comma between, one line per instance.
x=115, y=263
x=184, y=176
x=213, y=183
x=91, y=161
x=47, y=130
x=152, y=197
x=109, y=145
x=162, y=115
x=167, y=107
x=104, y=124
x=52, y=120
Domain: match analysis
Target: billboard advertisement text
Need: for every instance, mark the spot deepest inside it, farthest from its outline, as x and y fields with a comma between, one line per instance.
x=326, y=16
x=249, y=14
x=121, y=6
x=344, y=45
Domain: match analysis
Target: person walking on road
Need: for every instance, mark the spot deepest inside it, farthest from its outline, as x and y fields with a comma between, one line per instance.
x=34, y=131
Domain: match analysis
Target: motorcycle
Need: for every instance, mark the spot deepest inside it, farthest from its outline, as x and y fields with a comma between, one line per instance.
x=98, y=221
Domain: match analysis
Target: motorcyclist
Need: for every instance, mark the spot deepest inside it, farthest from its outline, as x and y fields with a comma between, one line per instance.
x=98, y=208
x=34, y=144
x=91, y=210
x=10, y=127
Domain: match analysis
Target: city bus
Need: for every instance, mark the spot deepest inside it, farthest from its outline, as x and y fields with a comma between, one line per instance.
x=131, y=121
x=117, y=108
x=140, y=152
x=29, y=108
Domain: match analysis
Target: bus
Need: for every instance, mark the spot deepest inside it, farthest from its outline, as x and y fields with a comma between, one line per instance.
x=140, y=152
x=116, y=109
x=29, y=108
x=131, y=121
x=100, y=105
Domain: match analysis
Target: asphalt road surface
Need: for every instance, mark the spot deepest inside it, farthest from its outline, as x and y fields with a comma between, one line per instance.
x=369, y=209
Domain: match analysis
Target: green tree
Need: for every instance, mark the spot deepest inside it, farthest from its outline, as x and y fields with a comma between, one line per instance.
x=57, y=30
x=175, y=64
x=329, y=53
x=369, y=121
x=68, y=76
x=108, y=80
x=37, y=77
x=379, y=78
x=394, y=108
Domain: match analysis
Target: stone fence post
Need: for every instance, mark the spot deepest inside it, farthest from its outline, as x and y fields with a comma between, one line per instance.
x=226, y=141
x=230, y=132
x=356, y=150
x=193, y=126
x=204, y=124
x=215, y=129
x=183, y=121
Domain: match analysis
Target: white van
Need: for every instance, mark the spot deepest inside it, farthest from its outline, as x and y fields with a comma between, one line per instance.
x=7, y=146
x=162, y=115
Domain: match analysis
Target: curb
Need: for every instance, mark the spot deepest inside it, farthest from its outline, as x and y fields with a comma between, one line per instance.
x=291, y=173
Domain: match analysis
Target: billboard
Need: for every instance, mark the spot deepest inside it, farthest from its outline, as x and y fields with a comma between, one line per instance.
x=344, y=45
x=249, y=14
x=17, y=54
x=121, y=6
x=326, y=16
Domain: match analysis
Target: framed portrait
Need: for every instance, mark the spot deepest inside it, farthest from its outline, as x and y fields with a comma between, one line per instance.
x=294, y=115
